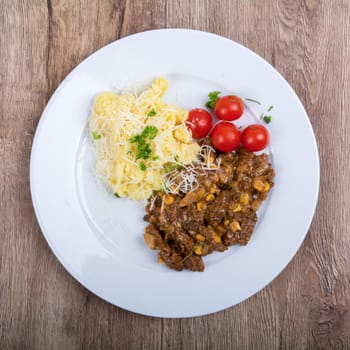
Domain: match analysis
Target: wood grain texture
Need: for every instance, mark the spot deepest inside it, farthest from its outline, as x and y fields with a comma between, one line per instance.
x=306, y=307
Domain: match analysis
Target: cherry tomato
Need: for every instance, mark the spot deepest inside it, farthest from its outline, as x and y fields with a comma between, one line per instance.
x=229, y=108
x=255, y=137
x=225, y=137
x=200, y=122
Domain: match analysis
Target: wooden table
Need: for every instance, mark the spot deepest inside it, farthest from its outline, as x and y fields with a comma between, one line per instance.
x=306, y=307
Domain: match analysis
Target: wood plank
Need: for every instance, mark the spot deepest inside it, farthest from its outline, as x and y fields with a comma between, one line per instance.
x=306, y=307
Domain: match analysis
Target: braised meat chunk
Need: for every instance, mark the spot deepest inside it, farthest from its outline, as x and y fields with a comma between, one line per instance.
x=219, y=212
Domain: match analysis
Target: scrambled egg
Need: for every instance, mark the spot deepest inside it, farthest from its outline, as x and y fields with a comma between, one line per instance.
x=132, y=163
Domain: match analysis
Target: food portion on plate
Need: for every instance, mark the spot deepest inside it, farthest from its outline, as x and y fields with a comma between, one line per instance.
x=220, y=211
x=137, y=137
x=196, y=169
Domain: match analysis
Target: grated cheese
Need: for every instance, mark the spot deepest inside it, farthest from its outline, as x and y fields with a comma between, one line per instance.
x=185, y=179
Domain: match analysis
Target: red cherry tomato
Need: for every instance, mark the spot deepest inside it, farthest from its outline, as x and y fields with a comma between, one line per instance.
x=225, y=137
x=255, y=137
x=229, y=108
x=199, y=121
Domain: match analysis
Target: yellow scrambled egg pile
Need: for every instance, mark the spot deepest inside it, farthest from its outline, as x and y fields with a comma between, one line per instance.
x=136, y=137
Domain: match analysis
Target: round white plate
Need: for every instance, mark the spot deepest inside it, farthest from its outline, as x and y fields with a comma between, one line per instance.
x=99, y=238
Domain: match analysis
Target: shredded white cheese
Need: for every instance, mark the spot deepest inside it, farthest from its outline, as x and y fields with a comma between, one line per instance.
x=184, y=180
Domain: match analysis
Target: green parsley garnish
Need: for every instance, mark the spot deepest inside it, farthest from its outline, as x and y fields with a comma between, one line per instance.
x=143, y=166
x=116, y=194
x=155, y=158
x=95, y=135
x=252, y=100
x=269, y=109
x=267, y=119
x=152, y=113
x=213, y=97
x=143, y=147
x=149, y=132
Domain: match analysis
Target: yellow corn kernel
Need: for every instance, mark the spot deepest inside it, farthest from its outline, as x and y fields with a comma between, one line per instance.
x=168, y=199
x=232, y=206
x=160, y=260
x=244, y=198
x=255, y=205
x=210, y=197
x=198, y=249
x=237, y=208
x=219, y=229
x=226, y=222
x=201, y=206
x=213, y=189
x=266, y=187
x=235, y=226
x=258, y=184
x=199, y=237
x=216, y=237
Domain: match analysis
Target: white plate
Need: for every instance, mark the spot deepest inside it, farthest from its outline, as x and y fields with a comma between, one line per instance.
x=99, y=238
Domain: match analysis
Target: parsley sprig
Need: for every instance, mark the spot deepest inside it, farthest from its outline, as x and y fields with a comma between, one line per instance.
x=143, y=148
x=143, y=166
x=253, y=100
x=152, y=113
x=96, y=135
x=267, y=119
x=213, y=98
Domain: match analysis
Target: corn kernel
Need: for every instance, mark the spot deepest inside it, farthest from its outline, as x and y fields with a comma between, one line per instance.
x=199, y=237
x=219, y=229
x=160, y=260
x=235, y=226
x=213, y=189
x=198, y=250
x=201, y=206
x=258, y=184
x=255, y=205
x=266, y=187
x=211, y=158
x=232, y=205
x=244, y=198
x=237, y=208
x=168, y=199
x=216, y=237
x=226, y=222
x=210, y=197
